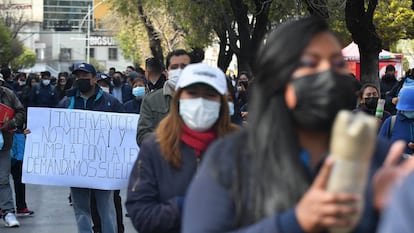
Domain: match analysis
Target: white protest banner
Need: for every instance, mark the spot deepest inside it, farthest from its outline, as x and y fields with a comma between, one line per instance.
x=79, y=148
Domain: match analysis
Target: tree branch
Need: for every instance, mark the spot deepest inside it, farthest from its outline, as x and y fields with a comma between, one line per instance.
x=155, y=42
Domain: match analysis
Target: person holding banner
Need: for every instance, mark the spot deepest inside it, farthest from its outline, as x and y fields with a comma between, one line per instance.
x=12, y=116
x=168, y=159
x=89, y=96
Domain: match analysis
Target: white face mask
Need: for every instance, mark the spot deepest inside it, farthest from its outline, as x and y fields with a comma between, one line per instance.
x=199, y=114
x=45, y=82
x=231, y=108
x=173, y=76
x=105, y=89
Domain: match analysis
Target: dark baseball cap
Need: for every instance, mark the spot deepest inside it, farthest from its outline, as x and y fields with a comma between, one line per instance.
x=102, y=76
x=85, y=67
x=46, y=73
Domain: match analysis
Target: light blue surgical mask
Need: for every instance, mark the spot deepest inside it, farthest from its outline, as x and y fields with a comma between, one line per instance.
x=231, y=108
x=408, y=114
x=138, y=91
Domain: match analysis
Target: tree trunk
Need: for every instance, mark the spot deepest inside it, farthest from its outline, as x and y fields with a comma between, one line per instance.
x=360, y=23
x=260, y=27
x=249, y=38
x=245, y=53
x=154, y=38
x=225, y=52
x=318, y=7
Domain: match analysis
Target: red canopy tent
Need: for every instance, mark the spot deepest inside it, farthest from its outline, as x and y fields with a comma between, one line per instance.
x=351, y=55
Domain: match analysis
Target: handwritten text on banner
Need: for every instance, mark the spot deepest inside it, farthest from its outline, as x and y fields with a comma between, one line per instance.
x=80, y=148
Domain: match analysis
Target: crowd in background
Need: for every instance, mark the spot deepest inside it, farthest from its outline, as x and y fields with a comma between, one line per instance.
x=200, y=169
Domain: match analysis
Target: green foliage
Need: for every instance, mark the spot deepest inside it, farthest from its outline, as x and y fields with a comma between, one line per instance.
x=337, y=23
x=6, y=53
x=132, y=35
x=25, y=60
x=131, y=41
x=98, y=66
x=394, y=20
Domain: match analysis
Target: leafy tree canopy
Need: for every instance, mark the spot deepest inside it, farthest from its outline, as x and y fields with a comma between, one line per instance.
x=25, y=60
x=394, y=20
x=6, y=53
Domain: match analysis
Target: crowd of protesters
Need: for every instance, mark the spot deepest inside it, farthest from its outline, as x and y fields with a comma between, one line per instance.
x=229, y=154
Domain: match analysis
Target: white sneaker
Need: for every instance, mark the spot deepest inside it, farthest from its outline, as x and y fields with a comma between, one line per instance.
x=10, y=220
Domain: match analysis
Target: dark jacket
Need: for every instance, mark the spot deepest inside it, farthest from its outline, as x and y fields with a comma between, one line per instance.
x=402, y=130
x=133, y=106
x=100, y=101
x=7, y=97
x=126, y=91
x=406, y=81
x=386, y=85
x=157, y=85
x=371, y=112
x=156, y=190
x=43, y=96
x=155, y=106
x=210, y=201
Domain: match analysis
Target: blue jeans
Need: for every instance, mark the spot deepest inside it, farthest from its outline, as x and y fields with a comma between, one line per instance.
x=106, y=209
x=6, y=195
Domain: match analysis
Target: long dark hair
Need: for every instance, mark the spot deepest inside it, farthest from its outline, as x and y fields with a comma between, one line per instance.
x=277, y=178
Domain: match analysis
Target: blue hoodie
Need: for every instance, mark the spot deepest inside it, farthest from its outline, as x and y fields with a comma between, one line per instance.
x=100, y=101
x=403, y=130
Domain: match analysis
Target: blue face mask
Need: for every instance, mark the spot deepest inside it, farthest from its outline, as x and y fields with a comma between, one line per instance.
x=138, y=91
x=408, y=114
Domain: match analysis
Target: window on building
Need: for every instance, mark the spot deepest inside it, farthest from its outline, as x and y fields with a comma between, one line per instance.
x=39, y=55
x=65, y=54
x=92, y=52
x=112, y=54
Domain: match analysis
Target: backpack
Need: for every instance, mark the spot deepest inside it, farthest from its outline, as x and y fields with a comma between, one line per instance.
x=392, y=123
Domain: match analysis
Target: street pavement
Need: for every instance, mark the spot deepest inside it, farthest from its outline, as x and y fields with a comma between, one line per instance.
x=52, y=212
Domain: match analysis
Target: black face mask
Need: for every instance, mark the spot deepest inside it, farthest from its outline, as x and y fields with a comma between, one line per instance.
x=117, y=82
x=83, y=85
x=245, y=84
x=371, y=102
x=389, y=78
x=320, y=97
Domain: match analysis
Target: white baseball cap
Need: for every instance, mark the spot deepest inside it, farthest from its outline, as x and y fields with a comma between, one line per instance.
x=203, y=73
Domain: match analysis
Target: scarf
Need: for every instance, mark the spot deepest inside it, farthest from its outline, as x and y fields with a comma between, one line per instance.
x=199, y=141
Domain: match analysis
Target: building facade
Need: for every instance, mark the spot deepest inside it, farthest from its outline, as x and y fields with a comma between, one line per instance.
x=61, y=31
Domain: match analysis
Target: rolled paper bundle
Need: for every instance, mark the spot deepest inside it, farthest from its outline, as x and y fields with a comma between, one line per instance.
x=352, y=146
x=379, y=112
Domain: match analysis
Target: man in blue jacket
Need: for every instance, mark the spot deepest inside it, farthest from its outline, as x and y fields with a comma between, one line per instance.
x=401, y=126
x=89, y=96
x=43, y=94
